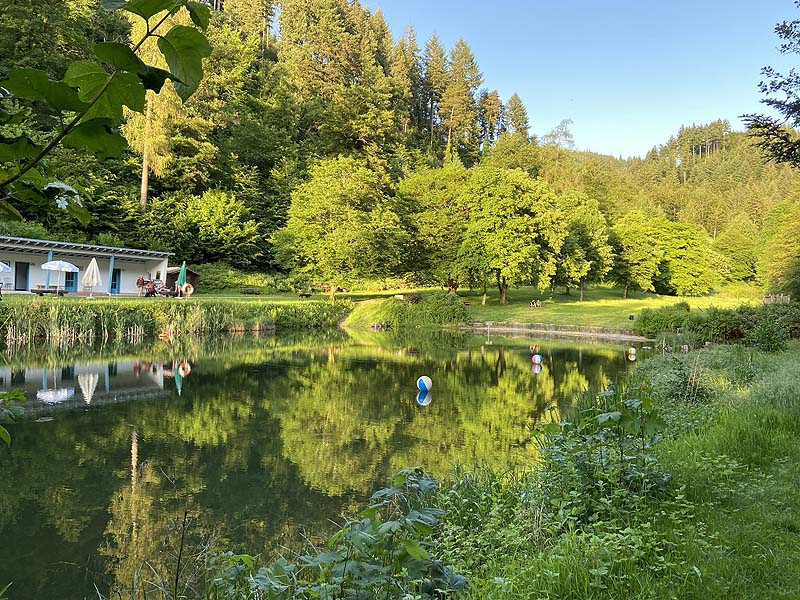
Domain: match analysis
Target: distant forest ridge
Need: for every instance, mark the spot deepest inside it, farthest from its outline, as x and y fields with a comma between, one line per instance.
x=340, y=150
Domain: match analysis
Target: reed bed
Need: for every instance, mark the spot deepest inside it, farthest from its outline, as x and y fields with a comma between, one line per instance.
x=70, y=322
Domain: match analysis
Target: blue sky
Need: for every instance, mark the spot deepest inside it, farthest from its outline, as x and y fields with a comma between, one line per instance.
x=628, y=73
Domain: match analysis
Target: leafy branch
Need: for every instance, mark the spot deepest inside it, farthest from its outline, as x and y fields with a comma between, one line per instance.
x=96, y=91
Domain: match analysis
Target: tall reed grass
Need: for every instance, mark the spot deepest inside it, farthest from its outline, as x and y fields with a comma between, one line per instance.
x=69, y=322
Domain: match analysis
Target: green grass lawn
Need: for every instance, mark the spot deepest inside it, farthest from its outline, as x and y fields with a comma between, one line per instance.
x=601, y=307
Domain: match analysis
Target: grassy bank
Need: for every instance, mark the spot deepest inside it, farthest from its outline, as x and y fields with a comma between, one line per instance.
x=682, y=485
x=601, y=307
x=66, y=321
x=711, y=511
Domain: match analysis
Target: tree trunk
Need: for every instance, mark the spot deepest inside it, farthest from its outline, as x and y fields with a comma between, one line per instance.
x=581, y=290
x=626, y=292
x=146, y=158
x=566, y=290
x=333, y=293
x=502, y=287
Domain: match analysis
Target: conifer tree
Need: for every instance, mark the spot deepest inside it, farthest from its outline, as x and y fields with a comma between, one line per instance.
x=434, y=84
x=515, y=117
x=458, y=108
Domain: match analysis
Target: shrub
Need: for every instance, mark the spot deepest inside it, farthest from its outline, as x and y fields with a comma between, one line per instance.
x=220, y=276
x=651, y=322
x=438, y=308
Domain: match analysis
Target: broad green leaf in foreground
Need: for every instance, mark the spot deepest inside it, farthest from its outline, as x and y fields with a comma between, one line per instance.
x=123, y=88
x=200, y=13
x=184, y=49
x=17, y=149
x=31, y=84
x=120, y=56
x=97, y=137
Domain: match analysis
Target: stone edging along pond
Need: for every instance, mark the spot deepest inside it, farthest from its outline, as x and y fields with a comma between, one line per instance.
x=553, y=330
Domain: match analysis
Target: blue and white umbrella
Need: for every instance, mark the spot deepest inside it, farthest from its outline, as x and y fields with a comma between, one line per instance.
x=4, y=268
x=60, y=265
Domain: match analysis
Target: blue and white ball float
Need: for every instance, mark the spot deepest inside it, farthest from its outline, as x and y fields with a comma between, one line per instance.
x=536, y=359
x=536, y=368
x=424, y=398
x=424, y=383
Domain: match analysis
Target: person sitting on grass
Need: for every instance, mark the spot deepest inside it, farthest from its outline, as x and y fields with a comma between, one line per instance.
x=535, y=303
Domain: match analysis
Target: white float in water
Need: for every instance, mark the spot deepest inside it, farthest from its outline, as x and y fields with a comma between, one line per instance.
x=424, y=383
x=424, y=398
x=536, y=359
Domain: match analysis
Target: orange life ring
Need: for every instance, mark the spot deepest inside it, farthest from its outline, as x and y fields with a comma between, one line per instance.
x=184, y=369
x=187, y=289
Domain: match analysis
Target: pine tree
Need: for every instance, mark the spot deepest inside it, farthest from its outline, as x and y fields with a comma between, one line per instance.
x=491, y=114
x=515, y=117
x=458, y=107
x=434, y=83
x=253, y=18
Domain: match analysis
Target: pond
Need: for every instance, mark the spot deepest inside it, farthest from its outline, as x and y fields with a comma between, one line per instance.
x=250, y=444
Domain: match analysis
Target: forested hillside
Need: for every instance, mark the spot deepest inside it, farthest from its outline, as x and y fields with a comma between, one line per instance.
x=321, y=141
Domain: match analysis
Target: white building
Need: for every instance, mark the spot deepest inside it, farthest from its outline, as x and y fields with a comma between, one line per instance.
x=119, y=267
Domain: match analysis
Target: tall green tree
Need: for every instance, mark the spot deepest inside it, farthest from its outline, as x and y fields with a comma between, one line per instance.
x=335, y=227
x=637, y=252
x=440, y=216
x=515, y=230
x=586, y=255
x=515, y=117
x=434, y=83
x=778, y=136
x=459, y=104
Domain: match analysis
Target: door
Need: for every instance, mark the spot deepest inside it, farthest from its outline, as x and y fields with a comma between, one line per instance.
x=71, y=282
x=115, y=277
x=21, y=270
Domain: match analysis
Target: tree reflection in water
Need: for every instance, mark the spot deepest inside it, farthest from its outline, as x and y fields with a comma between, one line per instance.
x=270, y=438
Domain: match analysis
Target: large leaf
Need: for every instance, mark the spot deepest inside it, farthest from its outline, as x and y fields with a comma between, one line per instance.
x=17, y=149
x=8, y=212
x=120, y=56
x=97, y=137
x=148, y=8
x=200, y=13
x=13, y=118
x=414, y=549
x=153, y=78
x=123, y=88
x=77, y=210
x=32, y=84
x=4, y=435
x=184, y=49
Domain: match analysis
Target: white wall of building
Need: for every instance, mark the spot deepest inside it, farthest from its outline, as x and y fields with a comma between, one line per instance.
x=130, y=270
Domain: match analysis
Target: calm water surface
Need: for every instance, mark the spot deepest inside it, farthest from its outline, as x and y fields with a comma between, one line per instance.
x=255, y=441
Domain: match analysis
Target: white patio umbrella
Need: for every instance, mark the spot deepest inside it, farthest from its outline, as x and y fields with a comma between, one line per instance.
x=54, y=396
x=4, y=268
x=88, y=383
x=61, y=266
x=91, y=278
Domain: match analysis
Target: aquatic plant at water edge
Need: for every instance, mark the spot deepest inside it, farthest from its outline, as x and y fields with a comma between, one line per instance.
x=383, y=554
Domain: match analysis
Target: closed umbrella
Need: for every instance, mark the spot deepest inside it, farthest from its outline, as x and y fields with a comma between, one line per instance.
x=4, y=268
x=60, y=266
x=91, y=278
x=88, y=383
x=181, y=281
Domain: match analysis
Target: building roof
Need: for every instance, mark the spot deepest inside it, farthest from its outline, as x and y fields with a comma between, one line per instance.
x=9, y=243
x=172, y=270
